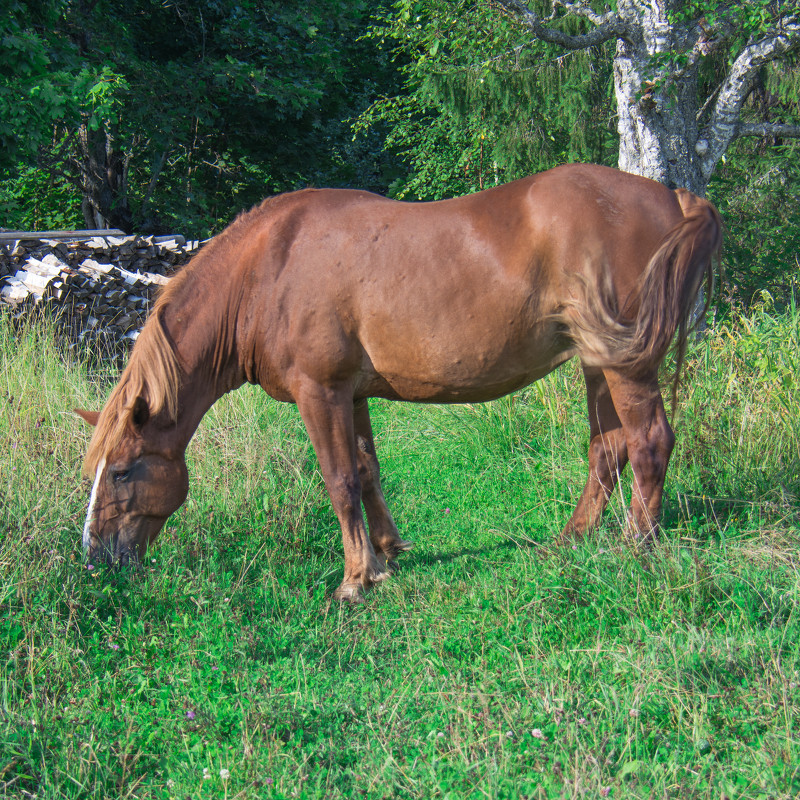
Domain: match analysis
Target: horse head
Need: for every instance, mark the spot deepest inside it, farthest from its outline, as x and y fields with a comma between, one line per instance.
x=139, y=480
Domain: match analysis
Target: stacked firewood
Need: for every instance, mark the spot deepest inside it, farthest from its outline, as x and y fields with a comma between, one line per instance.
x=99, y=287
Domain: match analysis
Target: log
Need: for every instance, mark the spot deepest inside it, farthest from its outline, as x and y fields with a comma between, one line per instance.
x=68, y=235
x=100, y=282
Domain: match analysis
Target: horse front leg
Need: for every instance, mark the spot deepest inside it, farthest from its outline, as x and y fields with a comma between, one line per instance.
x=328, y=417
x=383, y=532
x=608, y=455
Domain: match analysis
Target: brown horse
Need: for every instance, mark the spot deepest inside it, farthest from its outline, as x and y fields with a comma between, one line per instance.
x=328, y=297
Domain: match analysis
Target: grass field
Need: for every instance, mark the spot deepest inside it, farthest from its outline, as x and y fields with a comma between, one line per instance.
x=493, y=666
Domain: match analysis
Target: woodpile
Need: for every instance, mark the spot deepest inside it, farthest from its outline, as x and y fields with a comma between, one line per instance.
x=98, y=286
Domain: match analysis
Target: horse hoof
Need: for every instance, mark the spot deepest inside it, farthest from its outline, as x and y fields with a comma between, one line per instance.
x=349, y=593
x=404, y=545
x=379, y=575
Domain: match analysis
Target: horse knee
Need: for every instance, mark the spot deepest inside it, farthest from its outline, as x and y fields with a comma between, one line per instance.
x=345, y=494
x=651, y=450
x=607, y=456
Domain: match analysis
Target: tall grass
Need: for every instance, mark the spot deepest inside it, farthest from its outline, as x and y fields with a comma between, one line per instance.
x=493, y=666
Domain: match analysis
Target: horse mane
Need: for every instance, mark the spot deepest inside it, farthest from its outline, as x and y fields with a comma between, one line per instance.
x=153, y=373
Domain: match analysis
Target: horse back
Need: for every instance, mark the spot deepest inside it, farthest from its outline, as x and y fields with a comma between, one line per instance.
x=458, y=299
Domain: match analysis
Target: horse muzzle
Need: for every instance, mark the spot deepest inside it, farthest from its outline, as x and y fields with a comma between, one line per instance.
x=115, y=552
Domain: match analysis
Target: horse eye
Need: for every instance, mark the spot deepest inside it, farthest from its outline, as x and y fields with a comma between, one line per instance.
x=122, y=475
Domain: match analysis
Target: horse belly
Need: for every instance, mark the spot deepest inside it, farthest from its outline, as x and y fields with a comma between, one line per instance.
x=459, y=362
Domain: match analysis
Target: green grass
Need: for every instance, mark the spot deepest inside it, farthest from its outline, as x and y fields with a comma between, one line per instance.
x=493, y=666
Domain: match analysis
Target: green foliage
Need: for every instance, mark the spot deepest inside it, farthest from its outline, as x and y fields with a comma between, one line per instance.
x=494, y=665
x=757, y=189
x=758, y=194
x=207, y=107
x=35, y=200
x=29, y=98
x=481, y=103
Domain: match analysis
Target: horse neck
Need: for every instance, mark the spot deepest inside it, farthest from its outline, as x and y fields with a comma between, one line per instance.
x=200, y=326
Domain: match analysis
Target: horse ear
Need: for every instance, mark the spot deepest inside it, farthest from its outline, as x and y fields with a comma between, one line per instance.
x=89, y=416
x=140, y=412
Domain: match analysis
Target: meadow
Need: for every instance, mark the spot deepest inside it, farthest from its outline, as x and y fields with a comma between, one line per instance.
x=494, y=665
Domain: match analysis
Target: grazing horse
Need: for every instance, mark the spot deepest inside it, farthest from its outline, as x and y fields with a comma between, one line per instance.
x=327, y=297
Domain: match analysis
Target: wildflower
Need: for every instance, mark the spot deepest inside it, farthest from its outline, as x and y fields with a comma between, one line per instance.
x=447, y=511
x=224, y=774
x=582, y=721
x=113, y=646
x=509, y=734
x=206, y=774
x=190, y=714
x=537, y=734
x=90, y=566
x=634, y=712
x=605, y=791
x=170, y=784
x=268, y=781
x=440, y=735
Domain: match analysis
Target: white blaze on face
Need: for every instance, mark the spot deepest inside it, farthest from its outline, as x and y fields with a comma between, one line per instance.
x=87, y=535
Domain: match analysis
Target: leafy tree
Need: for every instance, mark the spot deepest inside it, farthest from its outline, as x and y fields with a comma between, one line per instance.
x=480, y=105
x=683, y=71
x=160, y=111
x=531, y=79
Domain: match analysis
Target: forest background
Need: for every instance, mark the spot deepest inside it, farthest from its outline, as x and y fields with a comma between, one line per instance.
x=171, y=117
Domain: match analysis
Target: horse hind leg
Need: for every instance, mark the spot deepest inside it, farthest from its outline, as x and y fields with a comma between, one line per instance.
x=650, y=441
x=383, y=532
x=608, y=455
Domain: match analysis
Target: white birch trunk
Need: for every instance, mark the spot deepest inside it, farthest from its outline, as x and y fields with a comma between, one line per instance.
x=657, y=115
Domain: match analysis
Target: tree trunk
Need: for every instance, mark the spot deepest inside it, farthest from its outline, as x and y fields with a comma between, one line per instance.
x=104, y=179
x=657, y=110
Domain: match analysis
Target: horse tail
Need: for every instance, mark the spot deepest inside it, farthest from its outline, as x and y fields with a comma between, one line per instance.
x=637, y=337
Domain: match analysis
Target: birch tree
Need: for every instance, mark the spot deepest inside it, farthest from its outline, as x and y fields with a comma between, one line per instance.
x=668, y=129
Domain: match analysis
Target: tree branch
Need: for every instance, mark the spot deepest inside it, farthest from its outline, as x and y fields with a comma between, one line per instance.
x=582, y=9
x=777, y=129
x=724, y=125
x=607, y=26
